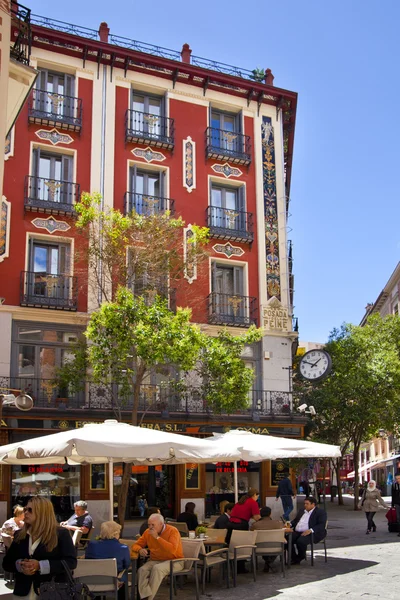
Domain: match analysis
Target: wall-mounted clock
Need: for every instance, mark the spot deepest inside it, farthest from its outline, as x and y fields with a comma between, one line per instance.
x=315, y=365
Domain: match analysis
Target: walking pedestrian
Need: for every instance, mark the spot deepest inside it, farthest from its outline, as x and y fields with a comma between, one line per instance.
x=396, y=497
x=286, y=494
x=370, y=501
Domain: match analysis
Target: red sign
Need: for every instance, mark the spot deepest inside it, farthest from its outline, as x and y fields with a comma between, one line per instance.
x=45, y=469
x=227, y=467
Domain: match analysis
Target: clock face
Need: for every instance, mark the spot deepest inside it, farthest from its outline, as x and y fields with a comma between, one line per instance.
x=315, y=365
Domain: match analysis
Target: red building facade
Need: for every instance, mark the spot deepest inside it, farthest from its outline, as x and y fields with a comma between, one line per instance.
x=149, y=129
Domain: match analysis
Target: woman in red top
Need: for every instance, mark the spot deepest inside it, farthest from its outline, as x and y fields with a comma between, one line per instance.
x=244, y=510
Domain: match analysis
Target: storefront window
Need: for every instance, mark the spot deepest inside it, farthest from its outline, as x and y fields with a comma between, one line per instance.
x=219, y=482
x=154, y=484
x=60, y=483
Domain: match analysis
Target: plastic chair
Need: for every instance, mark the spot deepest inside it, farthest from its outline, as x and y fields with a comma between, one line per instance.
x=271, y=542
x=100, y=575
x=181, y=527
x=242, y=547
x=323, y=542
x=216, y=535
x=211, y=559
x=191, y=558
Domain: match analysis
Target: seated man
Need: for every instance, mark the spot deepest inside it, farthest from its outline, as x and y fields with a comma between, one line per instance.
x=163, y=543
x=80, y=519
x=311, y=520
x=266, y=522
x=223, y=520
x=151, y=511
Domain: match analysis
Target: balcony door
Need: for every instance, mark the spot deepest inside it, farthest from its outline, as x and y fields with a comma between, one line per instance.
x=228, y=294
x=227, y=208
x=49, y=266
x=225, y=130
x=55, y=93
x=147, y=117
x=146, y=191
x=52, y=177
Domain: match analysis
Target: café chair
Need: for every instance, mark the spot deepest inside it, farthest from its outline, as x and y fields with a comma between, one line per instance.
x=323, y=542
x=242, y=547
x=191, y=558
x=100, y=575
x=76, y=538
x=181, y=527
x=271, y=542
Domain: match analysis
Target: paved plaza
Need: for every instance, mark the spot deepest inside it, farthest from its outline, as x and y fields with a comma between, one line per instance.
x=359, y=566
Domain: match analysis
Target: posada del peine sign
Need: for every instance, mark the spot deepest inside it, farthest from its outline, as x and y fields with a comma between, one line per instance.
x=276, y=316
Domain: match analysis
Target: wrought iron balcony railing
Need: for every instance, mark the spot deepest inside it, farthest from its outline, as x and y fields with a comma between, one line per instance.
x=48, y=290
x=50, y=195
x=232, y=309
x=21, y=33
x=230, y=224
x=55, y=110
x=149, y=288
x=147, y=205
x=228, y=145
x=147, y=128
x=154, y=400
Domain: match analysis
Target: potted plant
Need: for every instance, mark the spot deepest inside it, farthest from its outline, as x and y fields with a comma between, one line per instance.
x=201, y=531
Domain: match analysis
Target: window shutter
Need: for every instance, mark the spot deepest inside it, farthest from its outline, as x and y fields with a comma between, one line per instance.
x=35, y=183
x=41, y=96
x=35, y=162
x=238, y=281
x=238, y=122
x=69, y=92
x=67, y=195
x=241, y=203
x=213, y=276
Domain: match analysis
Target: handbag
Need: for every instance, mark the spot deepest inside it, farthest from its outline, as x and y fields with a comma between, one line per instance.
x=66, y=590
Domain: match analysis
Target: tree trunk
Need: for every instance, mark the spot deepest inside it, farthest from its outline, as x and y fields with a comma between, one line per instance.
x=356, y=461
x=123, y=493
x=337, y=463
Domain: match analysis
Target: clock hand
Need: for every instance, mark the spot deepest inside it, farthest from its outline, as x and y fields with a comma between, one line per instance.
x=316, y=362
x=305, y=362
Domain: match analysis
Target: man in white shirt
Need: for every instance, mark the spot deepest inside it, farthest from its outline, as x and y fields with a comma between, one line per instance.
x=310, y=521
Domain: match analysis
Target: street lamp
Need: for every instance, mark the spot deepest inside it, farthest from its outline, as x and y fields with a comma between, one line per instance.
x=22, y=401
x=303, y=409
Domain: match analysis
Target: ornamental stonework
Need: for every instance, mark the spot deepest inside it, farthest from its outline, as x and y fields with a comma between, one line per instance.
x=51, y=224
x=148, y=154
x=228, y=250
x=227, y=170
x=5, y=218
x=189, y=164
x=54, y=136
x=270, y=210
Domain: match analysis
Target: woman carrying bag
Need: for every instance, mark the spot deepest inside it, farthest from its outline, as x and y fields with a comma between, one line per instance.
x=39, y=550
x=370, y=501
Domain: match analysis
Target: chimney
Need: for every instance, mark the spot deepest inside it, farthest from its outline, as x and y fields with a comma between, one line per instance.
x=186, y=53
x=104, y=30
x=269, y=78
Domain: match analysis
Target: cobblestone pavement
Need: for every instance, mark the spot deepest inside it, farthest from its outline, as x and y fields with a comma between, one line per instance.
x=359, y=566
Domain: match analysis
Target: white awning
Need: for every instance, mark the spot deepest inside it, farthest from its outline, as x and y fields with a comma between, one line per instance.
x=391, y=458
x=371, y=465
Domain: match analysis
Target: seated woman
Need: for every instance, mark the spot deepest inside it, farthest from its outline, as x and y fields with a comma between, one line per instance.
x=15, y=523
x=108, y=546
x=189, y=517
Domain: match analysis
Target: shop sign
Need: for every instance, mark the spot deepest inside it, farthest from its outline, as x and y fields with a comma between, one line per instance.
x=279, y=470
x=227, y=467
x=192, y=476
x=276, y=316
x=44, y=469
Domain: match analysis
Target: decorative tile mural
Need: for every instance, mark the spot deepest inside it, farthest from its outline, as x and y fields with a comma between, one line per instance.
x=51, y=224
x=5, y=218
x=270, y=209
x=226, y=170
x=148, y=154
x=54, y=136
x=189, y=164
x=9, y=145
x=190, y=265
x=228, y=250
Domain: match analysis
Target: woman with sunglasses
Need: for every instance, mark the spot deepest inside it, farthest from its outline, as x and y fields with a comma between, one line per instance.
x=37, y=550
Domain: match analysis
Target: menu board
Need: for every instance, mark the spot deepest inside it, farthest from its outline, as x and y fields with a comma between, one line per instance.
x=279, y=470
x=192, y=476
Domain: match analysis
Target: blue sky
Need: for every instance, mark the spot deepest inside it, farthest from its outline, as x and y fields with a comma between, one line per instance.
x=342, y=58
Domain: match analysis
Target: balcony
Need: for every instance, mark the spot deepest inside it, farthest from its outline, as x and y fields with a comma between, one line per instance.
x=157, y=401
x=147, y=205
x=21, y=31
x=146, y=128
x=230, y=224
x=149, y=288
x=50, y=195
x=228, y=145
x=232, y=309
x=47, y=290
x=55, y=110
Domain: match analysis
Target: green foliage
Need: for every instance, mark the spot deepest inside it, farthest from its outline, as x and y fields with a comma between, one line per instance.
x=72, y=374
x=258, y=75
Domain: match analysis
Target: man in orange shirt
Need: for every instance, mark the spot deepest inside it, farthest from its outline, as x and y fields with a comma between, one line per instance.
x=163, y=543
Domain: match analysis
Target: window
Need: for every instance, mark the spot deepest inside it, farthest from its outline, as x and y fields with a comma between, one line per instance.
x=227, y=287
x=225, y=128
x=48, y=280
x=52, y=177
x=148, y=114
x=146, y=191
x=55, y=93
x=228, y=208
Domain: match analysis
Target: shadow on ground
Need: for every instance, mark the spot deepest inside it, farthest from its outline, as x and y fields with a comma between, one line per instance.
x=271, y=585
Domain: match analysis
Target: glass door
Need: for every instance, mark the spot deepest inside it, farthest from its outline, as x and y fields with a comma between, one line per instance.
x=48, y=271
x=146, y=192
x=148, y=116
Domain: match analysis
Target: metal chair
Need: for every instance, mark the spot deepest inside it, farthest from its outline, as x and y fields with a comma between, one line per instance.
x=100, y=575
x=242, y=547
x=323, y=542
x=191, y=558
x=181, y=527
x=271, y=542
x=211, y=559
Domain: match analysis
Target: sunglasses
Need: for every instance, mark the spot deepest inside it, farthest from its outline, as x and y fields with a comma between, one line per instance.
x=28, y=509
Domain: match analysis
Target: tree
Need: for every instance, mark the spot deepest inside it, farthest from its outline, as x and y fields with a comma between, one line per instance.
x=362, y=394
x=129, y=339
x=142, y=251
